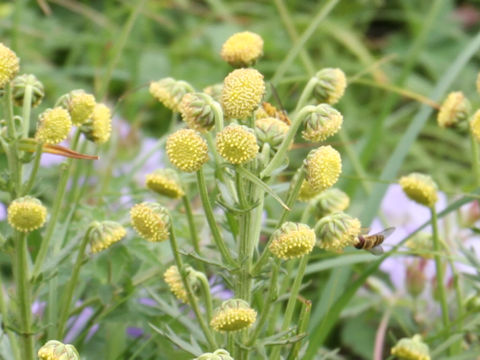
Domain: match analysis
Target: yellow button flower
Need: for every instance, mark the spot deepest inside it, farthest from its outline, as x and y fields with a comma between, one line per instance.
x=420, y=188
x=187, y=150
x=55, y=350
x=337, y=231
x=330, y=86
x=454, y=110
x=99, y=127
x=475, y=125
x=104, y=234
x=53, y=126
x=321, y=123
x=330, y=201
x=174, y=281
x=292, y=240
x=237, y=144
x=242, y=49
x=233, y=315
x=26, y=214
x=151, y=221
x=411, y=349
x=165, y=182
x=9, y=65
x=80, y=105
x=242, y=92
x=323, y=167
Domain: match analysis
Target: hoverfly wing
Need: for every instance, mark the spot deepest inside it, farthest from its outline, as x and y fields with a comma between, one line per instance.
x=377, y=250
x=385, y=233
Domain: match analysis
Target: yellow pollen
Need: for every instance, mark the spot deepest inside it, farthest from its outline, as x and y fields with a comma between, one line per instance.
x=242, y=49
x=187, y=150
x=54, y=126
x=323, y=167
x=237, y=144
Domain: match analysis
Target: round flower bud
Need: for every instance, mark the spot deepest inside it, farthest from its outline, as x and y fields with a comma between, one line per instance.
x=337, y=231
x=415, y=278
x=307, y=192
x=475, y=125
x=55, y=350
x=197, y=111
x=104, y=234
x=323, y=167
x=165, y=182
x=170, y=92
x=237, y=144
x=9, y=65
x=243, y=89
x=215, y=91
x=174, y=281
x=330, y=201
x=99, y=127
x=151, y=221
x=80, y=105
x=330, y=85
x=187, y=150
x=219, y=354
x=242, y=49
x=26, y=214
x=472, y=303
x=420, y=188
x=454, y=110
x=18, y=89
x=53, y=126
x=411, y=349
x=233, y=315
x=271, y=130
x=321, y=123
x=292, y=240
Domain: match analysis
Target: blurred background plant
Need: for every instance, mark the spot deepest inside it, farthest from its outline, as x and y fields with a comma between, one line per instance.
x=401, y=58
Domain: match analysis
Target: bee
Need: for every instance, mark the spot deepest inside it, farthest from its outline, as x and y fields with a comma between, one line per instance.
x=373, y=243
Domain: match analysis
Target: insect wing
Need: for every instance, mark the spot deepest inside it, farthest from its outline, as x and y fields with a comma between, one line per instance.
x=377, y=250
x=385, y=233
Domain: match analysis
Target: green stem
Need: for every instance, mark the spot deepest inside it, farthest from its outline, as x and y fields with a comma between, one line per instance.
x=26, y=109
x=475, y=159
x=206, y=293
x=35, y=167
x=13, y=163
x=68, y=294
x=301, y=329
x=439, y=270
x=57, y=204
x=117, y=52
x=11, y=337
x=287, y=319
x=291, y=198
x=24, y=296
x=191, y=298
x=279, y=157
x=271, y=297
x=202, y=188
x=191, y=224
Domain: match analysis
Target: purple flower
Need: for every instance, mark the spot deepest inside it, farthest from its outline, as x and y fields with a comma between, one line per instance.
x=147, y=302
x=77, y=324
x=3, y=212
x=135, y=332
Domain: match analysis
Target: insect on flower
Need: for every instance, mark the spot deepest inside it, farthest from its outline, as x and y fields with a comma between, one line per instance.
x=373, y=243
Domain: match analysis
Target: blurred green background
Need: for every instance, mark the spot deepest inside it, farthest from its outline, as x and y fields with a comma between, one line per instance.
x=392, y=51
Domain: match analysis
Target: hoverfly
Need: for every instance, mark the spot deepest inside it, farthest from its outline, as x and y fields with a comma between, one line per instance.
x=373, y=243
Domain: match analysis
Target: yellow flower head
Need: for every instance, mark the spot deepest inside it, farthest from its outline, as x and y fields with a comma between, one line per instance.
x=26, y=214
x=411, y=349
x=233, y=315
x=420, y=188
x=330, y=201
x=307, y=192
x=330, y=86
x=242, y=49
x=321, y=123
x=323, y=167
x=55, y=350
x=337, y=231
x=197, y=111
x=9, y=65
x=454, y=110
x=292, y=240
x=53, y=126
x=237, y=144
x=187, y=150
x=219, y=354
x=18, y=89
x=104, y=234
x=170, y=92
x=243, y=90
x=99, y=127
x=80, y=105
x=475, y=125
x=151, y=221
x=215, y=91
x=271, y=130
x=174, y=281
x=165, y=182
